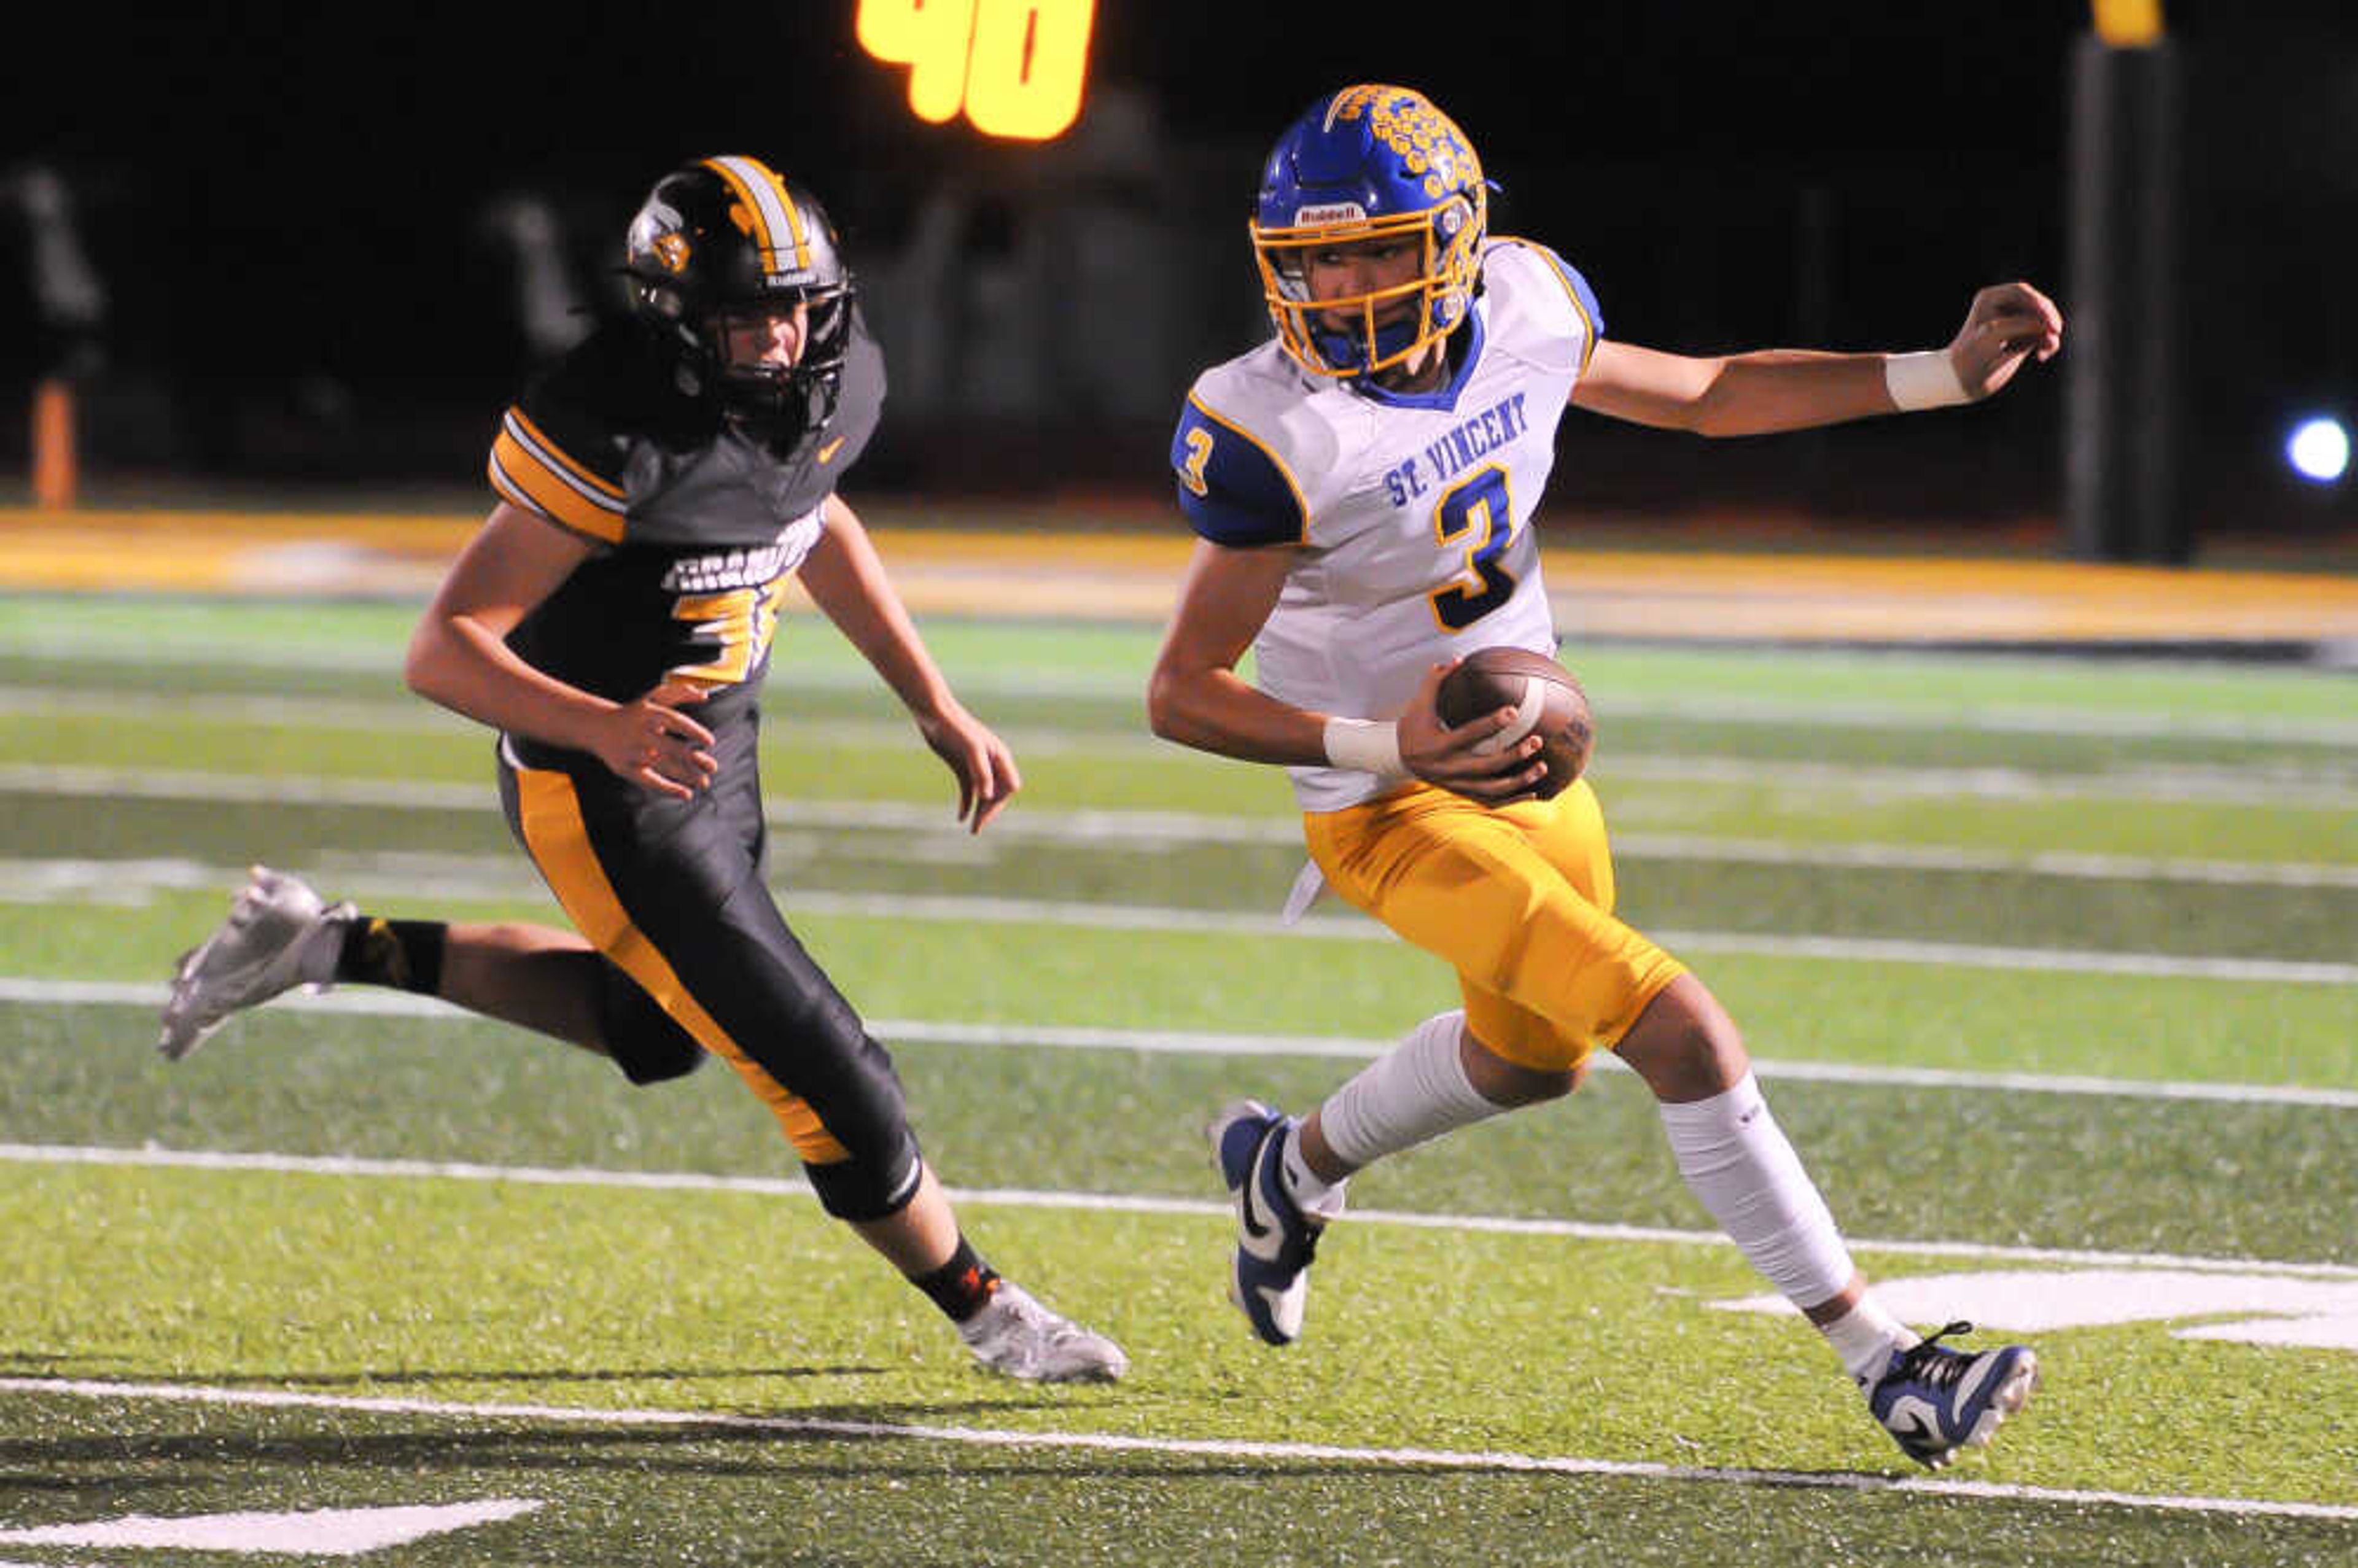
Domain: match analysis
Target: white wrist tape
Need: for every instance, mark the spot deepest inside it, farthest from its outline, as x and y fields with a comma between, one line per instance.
x=1366, y=744
x=1926, y=380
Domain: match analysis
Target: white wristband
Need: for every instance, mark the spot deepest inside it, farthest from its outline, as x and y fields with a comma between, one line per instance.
x=1366, y=744
x=1923, y=381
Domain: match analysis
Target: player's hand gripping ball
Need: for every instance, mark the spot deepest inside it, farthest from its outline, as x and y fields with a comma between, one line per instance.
x=1547, y=701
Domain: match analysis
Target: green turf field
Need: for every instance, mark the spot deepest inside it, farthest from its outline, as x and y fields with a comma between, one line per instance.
x=2048, y=965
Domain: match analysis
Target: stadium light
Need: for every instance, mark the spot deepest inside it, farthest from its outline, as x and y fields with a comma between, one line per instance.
x=2318, y=450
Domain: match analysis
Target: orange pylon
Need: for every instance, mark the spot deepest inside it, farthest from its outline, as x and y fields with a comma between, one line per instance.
x=55, y=466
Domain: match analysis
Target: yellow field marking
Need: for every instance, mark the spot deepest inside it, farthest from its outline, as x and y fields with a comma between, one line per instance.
x=1052, y=574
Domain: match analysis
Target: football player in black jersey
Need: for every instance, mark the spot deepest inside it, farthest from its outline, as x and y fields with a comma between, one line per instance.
x=658, y=487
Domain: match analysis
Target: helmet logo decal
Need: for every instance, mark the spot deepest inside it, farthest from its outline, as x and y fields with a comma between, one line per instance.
x=763, y=212
x=655, y=233
x=1428, y=142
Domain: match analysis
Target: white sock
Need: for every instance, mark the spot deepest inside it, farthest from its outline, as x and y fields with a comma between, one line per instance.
x=1736, y=1161
x=1415, y=1091
x=1865, y=1338
x=1318, y=1199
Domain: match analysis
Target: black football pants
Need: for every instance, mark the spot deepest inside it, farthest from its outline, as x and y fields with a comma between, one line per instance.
x=672, y=894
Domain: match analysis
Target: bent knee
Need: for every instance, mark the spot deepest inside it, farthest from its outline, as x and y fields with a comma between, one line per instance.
x=657, y=1058
x=1510, y=1084
x=1685, y=1044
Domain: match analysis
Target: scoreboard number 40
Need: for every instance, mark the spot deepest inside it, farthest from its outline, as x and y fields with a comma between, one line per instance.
x=1017, y=70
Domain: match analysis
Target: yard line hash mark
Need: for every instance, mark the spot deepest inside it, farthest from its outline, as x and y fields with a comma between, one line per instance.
x=1123, y=1203
x=1211, y=1043
x=1158, y=831
x=1214, y=1448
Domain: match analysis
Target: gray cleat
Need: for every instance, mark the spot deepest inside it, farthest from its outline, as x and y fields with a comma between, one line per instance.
x=278, y=936
x=1015, y=1335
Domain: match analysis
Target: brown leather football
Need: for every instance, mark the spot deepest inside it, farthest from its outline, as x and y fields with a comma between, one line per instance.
x=1547, y=700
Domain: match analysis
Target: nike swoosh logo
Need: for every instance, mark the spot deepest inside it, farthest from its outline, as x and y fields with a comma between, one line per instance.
x=1246, y=1207
x=826, y=453
x=1918, y=1437
x=1253, y=1226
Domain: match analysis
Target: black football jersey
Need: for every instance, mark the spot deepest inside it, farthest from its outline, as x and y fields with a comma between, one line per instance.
x=697, y=523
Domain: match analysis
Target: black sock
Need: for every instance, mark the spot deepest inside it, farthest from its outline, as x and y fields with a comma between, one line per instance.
x=962, y=1286
x=404, y=954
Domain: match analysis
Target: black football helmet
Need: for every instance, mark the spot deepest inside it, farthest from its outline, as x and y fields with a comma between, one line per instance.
x=727, y=237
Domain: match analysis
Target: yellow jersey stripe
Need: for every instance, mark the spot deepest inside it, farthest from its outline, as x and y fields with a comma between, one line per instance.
x=521, y=476
x=556, y=457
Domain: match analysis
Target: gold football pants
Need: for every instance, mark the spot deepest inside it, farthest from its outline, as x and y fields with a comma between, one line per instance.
x=1518, y=899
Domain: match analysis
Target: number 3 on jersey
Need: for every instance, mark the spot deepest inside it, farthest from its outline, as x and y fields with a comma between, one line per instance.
x=1476, y=517
x=740, y=620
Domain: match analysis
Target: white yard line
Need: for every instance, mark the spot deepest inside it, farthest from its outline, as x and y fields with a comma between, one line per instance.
x=1108, y=1203
x=2330, y=787
x=1138, y=917
x=831, y=676
x=1863, y=713
x=368, y=1002
x=1158, y=831
x=1213, y=1448
x=1943, y=857
x=48, y=881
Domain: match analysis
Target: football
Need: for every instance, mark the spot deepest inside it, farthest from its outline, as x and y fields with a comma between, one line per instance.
x=1547, y=701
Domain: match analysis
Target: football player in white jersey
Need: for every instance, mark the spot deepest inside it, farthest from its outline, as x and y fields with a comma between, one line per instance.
x=1362, y=488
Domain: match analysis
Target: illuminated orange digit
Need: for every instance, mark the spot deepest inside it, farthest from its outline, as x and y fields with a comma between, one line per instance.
x=1030, y=63
x=933, y=39
x=1017, y=67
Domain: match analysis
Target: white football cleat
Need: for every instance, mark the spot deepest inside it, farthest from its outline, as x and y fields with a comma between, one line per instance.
x=1015, y=1335
x=278, y=936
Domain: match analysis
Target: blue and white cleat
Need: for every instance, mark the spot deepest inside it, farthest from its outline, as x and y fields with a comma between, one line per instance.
x=1934, y=1401
x=1275, y=1240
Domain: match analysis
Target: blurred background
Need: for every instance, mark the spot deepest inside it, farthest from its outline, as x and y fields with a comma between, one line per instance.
x=313, y=250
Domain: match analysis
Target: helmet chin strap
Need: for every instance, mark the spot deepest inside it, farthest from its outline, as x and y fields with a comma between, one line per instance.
x=1347, y=350
x=803, y=405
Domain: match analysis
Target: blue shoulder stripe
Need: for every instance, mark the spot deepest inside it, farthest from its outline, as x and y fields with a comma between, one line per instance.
x=1232, y=488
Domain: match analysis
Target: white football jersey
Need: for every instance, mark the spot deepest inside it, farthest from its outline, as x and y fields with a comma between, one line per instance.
x=1413, y=511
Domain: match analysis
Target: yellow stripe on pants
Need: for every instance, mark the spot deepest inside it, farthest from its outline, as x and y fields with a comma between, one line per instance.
x=558, y=837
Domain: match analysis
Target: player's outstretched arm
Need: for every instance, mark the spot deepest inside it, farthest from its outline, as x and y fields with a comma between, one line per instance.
x=845, y=579
x=1770, y=390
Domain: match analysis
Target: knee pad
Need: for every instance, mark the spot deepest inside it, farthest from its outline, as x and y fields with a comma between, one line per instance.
x=645, y=1043
x=870, y=1188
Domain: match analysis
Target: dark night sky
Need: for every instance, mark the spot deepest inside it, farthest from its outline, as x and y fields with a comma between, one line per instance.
x=270, y=185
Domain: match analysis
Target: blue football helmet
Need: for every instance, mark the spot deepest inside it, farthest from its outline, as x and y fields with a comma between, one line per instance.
x=1369, y=163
